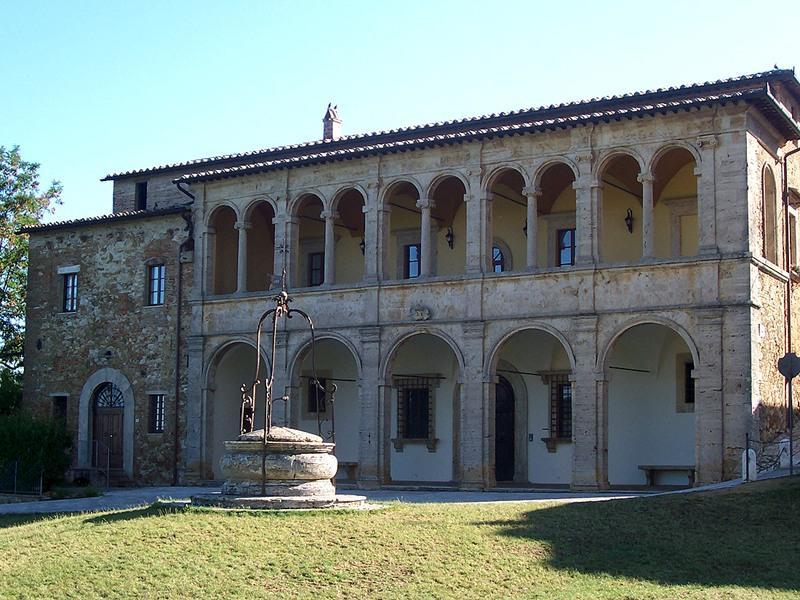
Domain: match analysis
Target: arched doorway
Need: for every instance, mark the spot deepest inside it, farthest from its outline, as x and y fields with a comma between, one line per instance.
x=504, y=431
x=312, y=411
x=108, y=405
x=423, y=398
x=650, y=406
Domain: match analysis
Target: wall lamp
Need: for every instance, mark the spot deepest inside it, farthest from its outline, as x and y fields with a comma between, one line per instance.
x=361, y=245
x=629, y=220
x=525, y=228
x=449, y=237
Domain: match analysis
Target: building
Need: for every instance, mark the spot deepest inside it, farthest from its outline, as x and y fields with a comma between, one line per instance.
x=552, y=296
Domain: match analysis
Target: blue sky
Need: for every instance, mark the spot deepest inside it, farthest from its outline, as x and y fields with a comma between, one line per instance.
x=96, y=87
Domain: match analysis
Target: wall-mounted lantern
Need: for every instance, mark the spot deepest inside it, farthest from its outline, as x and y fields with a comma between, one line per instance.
x=362, y=245
x=525, y=228
x=629, y=220
x=449, y=237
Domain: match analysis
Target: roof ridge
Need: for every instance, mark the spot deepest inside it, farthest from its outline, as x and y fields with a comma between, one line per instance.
x=348, y=140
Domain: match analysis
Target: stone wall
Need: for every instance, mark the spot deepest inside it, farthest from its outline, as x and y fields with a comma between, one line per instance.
x=112, y=327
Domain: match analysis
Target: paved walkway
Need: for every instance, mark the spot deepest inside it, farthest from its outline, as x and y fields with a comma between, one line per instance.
x=126, y=498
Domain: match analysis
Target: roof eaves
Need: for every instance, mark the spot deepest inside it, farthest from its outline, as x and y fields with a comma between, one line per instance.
x=111, y=218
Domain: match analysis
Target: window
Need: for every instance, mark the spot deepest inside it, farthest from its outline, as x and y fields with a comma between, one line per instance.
x=684, y=368
x=156, y=413
x=560, y=407
x=415, y=411
x=70, y=303
x=155, y=284
x=565, y=250
x=498, y=260
x=141, y=195
x=316, y=400
x=411, y=255
x=316, y=268
x=59, y=408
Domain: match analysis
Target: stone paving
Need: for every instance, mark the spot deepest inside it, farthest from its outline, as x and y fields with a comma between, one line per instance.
x=126, y=498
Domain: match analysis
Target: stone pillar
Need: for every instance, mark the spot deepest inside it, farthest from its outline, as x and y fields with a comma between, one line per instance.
x=278, y=251
x=706, y=196
x=369, y=440
x=383, y=224
x=425, y=204
x=531, y=248
x=330, y=246
x=646, y=179
x=241, y=257
x=584, y=220
x=588, y=409
x=210, y=243
x=290, y=252
x=597, y=221
x=472, y=455
x=709, y=406
x=474, y=207
x=282, y=382
x=193, y=429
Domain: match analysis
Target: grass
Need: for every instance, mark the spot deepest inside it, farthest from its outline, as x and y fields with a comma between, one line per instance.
x=729, y=544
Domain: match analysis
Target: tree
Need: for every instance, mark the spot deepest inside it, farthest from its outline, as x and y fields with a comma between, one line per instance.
x=22, y=204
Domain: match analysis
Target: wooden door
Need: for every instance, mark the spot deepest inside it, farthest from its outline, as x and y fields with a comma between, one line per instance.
x=107, y=427
x=504, y=431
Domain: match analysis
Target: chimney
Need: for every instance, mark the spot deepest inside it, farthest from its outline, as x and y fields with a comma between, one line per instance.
x=331, y=124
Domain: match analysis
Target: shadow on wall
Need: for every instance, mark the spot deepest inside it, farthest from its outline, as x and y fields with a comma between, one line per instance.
x=725, y=538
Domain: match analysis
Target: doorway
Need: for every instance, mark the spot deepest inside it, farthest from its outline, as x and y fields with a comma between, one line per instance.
x=107, y=428
x=504, y=431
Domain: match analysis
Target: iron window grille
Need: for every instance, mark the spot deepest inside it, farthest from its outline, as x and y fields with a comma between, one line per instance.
x=70, y=303
x=156, y=413
x=108, y=395
x=316, y=400
x=688, y=382
x=156, y=283
x=411, y=261
x=415, y=411
x=560, y=409
x=565, y=250
x=316, y=268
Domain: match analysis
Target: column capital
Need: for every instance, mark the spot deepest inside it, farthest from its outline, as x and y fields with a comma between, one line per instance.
x=373, y=185
x=707, y=142
x=584, y=157
x=329, y=214
x=532, y=191
x=243, y=225
x=645, y=178
x=424, y=203
x=474, y=172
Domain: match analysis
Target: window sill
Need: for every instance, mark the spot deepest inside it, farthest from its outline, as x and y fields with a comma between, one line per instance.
x=552, y=443
x=429, y=442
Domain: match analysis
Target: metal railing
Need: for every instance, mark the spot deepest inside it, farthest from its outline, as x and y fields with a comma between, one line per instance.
x=770, y=456
x=21, y=479
x=94, y=456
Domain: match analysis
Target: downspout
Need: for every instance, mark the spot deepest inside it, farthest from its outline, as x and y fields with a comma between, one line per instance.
x=788, y=263
x=186, y=246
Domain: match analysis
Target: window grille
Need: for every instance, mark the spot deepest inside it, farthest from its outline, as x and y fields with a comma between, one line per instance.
x=316, y=268
x=156, y=413
x=415, y=411
x=316, y=400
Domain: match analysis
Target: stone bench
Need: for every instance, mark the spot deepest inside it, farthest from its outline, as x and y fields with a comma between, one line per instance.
x=651, y=470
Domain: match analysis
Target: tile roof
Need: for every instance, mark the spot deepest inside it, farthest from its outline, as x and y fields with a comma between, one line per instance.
x=120, y=216
x=530, y=119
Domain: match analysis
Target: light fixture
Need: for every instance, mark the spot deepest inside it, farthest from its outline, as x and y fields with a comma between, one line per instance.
x=629, y=220
x=525, y=228
x=362, y=245
x=449, y=237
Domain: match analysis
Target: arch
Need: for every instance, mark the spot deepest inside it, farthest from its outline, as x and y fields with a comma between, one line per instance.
x=497, y=170
x=339, y=193
x=399, y=340
x=300, y=353
x=248, y=210
x=602, y=367
x=545, y=166
x=390, y=188
x=219, y=351
x=219, y=207
x=442, y=176
x=673, y=145
x=106, y=375
x=490, y=365
x=605, y=159
x=297, y=200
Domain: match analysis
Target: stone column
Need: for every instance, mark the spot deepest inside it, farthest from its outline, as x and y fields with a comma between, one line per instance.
x=330, y=246
x=646, y=179
x=290, y=252
x=472, y=456
x=241, y=257
x=210, y=242
x=710, y=419
x=282, y=383
x=473, y=234
x=278, y=251
x=597, y=221
x=193, y=430
x=706, y=196
x=383, y=224
x=531, y=248
x=584, y=220
x=425, y=204
x=369, y=441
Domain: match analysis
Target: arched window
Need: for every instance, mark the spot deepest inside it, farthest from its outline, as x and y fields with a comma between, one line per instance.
x=498, y=260
x=769, y=224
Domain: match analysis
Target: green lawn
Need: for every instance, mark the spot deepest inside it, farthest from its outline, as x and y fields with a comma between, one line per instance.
x=735, y=544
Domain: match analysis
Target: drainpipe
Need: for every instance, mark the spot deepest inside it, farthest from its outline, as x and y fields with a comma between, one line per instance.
x=187, y=245
x=788, y=263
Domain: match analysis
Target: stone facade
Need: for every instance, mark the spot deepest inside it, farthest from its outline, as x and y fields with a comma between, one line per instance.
x=666, y=268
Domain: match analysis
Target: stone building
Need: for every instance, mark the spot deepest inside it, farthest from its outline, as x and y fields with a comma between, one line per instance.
x=548, y=297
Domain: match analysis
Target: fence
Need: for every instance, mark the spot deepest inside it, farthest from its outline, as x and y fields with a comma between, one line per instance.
x=764, y=457
x=20, y=478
